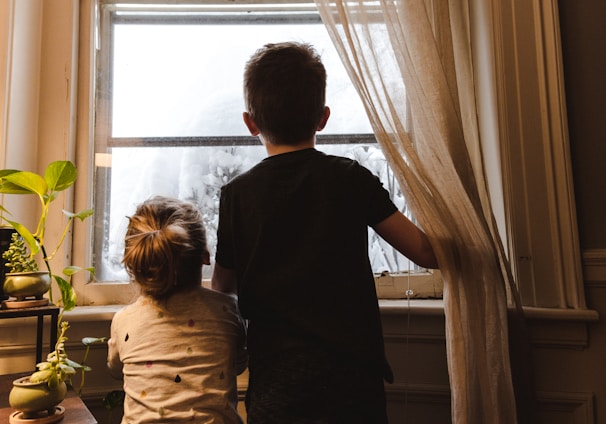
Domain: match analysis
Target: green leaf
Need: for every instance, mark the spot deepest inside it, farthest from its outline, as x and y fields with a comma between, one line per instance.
x=87, y=341
x=53, y=381
x=60, y=175
x=10, y=188
x=24, y=182
x=67, y=370
x=68, y=294
x=5, y=172
x=72, y=364
x=73, y=269
x=82, y=215
x=39, y=376
x=43, y=366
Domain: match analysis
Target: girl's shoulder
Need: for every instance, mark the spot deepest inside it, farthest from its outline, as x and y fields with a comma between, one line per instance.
x=203, y=297
x=227, y=298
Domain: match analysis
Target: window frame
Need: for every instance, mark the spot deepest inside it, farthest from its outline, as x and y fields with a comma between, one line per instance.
x=538, y=212
x=507, y=92
x=112, y=15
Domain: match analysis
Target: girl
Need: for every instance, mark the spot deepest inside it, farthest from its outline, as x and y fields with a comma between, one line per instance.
x=180, y=346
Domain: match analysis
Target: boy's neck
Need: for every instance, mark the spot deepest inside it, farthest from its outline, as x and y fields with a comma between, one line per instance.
x=277, y=149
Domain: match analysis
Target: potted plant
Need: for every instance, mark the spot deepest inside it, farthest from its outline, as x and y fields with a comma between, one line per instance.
x=58, y=176
x=38, y=395
x=21, y=281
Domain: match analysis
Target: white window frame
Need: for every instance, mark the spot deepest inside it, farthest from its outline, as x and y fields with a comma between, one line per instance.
x=521, y=110
x=526, y=80
x=108, y=144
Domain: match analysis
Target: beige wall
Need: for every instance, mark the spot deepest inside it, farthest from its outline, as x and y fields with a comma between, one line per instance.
x=570, y=363
x=583, y=31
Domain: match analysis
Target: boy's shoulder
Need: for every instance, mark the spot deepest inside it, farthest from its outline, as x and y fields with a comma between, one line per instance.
x=301, y=159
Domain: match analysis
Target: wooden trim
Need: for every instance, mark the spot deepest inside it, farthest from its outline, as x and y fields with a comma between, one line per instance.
x=594, y=267
x=573, y=408
x=535, y=158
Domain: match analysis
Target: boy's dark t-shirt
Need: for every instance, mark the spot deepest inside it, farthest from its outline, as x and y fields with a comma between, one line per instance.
x=295, y=230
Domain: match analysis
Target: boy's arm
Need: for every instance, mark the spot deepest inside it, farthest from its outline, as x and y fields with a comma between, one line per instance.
x=408, y=239
x=224, y=279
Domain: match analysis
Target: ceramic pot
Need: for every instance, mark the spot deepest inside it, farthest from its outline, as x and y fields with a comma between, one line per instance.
x=31, y=398
x=26, y=284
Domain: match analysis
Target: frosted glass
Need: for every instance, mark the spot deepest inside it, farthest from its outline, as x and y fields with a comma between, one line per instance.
x=178, y=81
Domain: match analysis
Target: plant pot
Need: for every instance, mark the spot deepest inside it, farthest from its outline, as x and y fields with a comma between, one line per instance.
x=33, y=398
x=26, y=284
x=5, y=241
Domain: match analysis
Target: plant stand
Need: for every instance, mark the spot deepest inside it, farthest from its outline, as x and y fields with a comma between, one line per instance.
x=39, y=312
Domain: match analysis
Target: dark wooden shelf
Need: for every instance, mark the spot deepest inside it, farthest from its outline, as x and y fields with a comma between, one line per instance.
x=40, y=312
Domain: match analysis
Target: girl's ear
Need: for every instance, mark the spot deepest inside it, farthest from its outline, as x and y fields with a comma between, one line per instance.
x=250, y=124
x=206, y=258
x=324, y=119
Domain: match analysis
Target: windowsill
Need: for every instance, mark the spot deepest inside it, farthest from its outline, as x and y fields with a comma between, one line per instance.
x=430, y=307
x=414, y=306
x=547, y=327
x=92, y=313
x=436, y=307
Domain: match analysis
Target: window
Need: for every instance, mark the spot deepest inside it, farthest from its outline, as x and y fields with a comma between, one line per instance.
x=522, y=115
x=169, y=113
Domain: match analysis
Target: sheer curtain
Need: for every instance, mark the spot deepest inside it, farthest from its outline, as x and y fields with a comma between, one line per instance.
x=410, y=61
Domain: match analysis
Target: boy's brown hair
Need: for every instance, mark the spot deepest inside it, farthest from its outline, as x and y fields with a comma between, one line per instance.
x=285, y=91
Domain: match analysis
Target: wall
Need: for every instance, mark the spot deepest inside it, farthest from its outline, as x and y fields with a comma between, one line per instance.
x=584, y=50
x=574, y=373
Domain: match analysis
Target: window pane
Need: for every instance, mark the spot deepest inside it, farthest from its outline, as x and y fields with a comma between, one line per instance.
x=170, y=119
x=177, y=80
x=197, y=174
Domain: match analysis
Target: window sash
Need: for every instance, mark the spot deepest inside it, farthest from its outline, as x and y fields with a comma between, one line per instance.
x=105, y=142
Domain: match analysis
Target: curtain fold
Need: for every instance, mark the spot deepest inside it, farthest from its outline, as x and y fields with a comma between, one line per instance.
x=410, y=61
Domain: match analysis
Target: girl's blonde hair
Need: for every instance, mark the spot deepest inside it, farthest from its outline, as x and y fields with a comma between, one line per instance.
x=165, y=246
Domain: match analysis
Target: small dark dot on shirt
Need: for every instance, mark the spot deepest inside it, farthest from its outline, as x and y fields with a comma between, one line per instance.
x=177, y=379
x=126, y=338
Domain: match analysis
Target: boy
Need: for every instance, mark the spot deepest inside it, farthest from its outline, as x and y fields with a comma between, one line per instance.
x=292, y=243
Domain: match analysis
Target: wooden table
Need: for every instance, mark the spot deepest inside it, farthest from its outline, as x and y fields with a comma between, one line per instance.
x=76, y=411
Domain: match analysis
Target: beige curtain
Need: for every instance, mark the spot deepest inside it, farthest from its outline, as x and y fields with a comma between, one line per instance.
x=410, y=61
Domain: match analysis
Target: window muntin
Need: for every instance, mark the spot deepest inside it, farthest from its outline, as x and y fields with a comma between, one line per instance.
x=169, y=114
